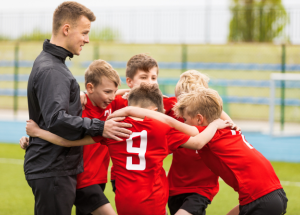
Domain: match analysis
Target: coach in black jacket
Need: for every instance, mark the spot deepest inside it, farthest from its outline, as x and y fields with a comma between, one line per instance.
x=54, y=104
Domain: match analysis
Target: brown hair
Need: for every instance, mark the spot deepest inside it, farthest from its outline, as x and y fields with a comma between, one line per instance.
x=70, y=11
x=140, y=62
x=190, y=81
x=99, y=68
x=204, y=101
x=146, y=95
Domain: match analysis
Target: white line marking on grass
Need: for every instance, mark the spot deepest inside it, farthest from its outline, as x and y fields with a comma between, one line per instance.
x=285, y=183
x=290, y=183
x=12, y=161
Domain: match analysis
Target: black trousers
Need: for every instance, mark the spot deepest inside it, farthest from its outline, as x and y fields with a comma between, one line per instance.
x=90, y=198
x=193, y=203
x=54, y=195
x=274, y=203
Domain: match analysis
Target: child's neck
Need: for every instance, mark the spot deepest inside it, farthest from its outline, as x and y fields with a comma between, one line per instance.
x=91, y=99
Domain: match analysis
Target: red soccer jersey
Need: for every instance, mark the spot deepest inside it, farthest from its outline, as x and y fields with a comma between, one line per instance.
x=95, y=156
x=141, y=183
x=240, y=165
x=189, y=174
x=168, y=105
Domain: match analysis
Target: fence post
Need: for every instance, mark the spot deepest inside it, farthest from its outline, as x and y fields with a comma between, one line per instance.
x=183, y=58
x=16, y=78
x=282, y=106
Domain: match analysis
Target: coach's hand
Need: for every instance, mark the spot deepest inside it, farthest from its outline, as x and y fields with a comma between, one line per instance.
x=114, y=129
x=24, y=142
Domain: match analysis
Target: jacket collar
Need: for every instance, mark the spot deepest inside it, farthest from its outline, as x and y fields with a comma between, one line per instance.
x=56, y=50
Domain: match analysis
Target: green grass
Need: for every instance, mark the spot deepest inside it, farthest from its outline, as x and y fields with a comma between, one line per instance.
x=16, y=197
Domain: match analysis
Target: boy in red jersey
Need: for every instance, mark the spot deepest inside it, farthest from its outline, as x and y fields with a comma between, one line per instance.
x=141, y=68
x=191, y=191
x=142, y=187
x=101, y=82
x=228, y=154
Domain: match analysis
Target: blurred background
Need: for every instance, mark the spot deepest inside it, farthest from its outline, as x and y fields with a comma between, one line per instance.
x=237, y=43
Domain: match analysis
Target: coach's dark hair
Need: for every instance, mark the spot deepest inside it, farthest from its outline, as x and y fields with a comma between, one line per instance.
x=70, y=12
x=140, y=62
x=145, y=96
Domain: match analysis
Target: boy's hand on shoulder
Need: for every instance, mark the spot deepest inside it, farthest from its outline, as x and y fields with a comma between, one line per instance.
x=24, y=142
x=234, y=126
x=119, y=113
x=114, y=129
x=83, y=100
x=126, y=95
x=220, y=124
x=32, y=128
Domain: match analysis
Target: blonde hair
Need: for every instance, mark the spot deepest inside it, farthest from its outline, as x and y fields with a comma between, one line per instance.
x=204, y=101
x=99, y=68
x=190, y=81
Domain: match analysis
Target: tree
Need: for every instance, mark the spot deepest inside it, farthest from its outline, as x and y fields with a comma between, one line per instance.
x=257, y=20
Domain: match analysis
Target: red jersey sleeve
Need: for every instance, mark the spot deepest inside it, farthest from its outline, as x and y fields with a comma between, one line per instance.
x=175, y=139
x=119, y=103
x=100, y=139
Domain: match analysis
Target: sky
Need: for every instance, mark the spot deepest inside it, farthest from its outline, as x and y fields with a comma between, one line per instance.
x=37, y=5
x=13, y=22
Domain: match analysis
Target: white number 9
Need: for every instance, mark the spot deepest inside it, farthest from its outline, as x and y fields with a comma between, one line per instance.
x=141, y=151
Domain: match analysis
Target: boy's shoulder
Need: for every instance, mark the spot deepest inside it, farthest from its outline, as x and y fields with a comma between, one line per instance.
x=118, y=103
x=220, y=134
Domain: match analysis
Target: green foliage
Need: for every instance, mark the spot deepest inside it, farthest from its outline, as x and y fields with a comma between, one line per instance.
x=35, y=35
x=257, y=20
x=106, y=34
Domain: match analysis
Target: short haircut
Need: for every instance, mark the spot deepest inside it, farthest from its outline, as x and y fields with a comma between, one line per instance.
x=145, y=96
x=70, y=11
x=204, y=101
x=98, y=69
x=190, y=81
x=140, y=62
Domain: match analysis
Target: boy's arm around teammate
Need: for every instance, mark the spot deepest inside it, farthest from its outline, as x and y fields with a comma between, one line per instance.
x=196, y=142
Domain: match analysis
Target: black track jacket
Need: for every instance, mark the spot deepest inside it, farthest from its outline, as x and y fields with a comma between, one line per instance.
x=54, y=104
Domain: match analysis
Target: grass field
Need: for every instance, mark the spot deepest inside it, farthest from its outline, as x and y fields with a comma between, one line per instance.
x=16, y=197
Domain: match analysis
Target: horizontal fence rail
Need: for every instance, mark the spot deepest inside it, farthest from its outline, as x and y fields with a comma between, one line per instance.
x=173, y=81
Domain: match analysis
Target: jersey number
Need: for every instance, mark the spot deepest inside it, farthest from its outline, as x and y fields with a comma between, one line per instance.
x=140, y=150
x=243, y=137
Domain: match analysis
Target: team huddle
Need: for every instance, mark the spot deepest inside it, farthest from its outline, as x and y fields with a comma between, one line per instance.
x=192, y=126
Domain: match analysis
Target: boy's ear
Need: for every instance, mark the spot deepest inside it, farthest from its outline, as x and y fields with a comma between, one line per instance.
x=89, y=87
x=200, y=119
x=129, y=82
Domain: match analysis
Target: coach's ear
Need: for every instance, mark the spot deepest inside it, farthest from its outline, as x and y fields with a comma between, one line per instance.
x=65, y=29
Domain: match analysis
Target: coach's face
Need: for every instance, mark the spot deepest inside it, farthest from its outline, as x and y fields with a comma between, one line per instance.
x=78, y=35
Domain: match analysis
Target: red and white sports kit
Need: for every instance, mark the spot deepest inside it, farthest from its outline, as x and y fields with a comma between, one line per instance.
x=168, y=105
x=188, y=173
x=141, y=183
x=95, y=156
x=240, y=165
